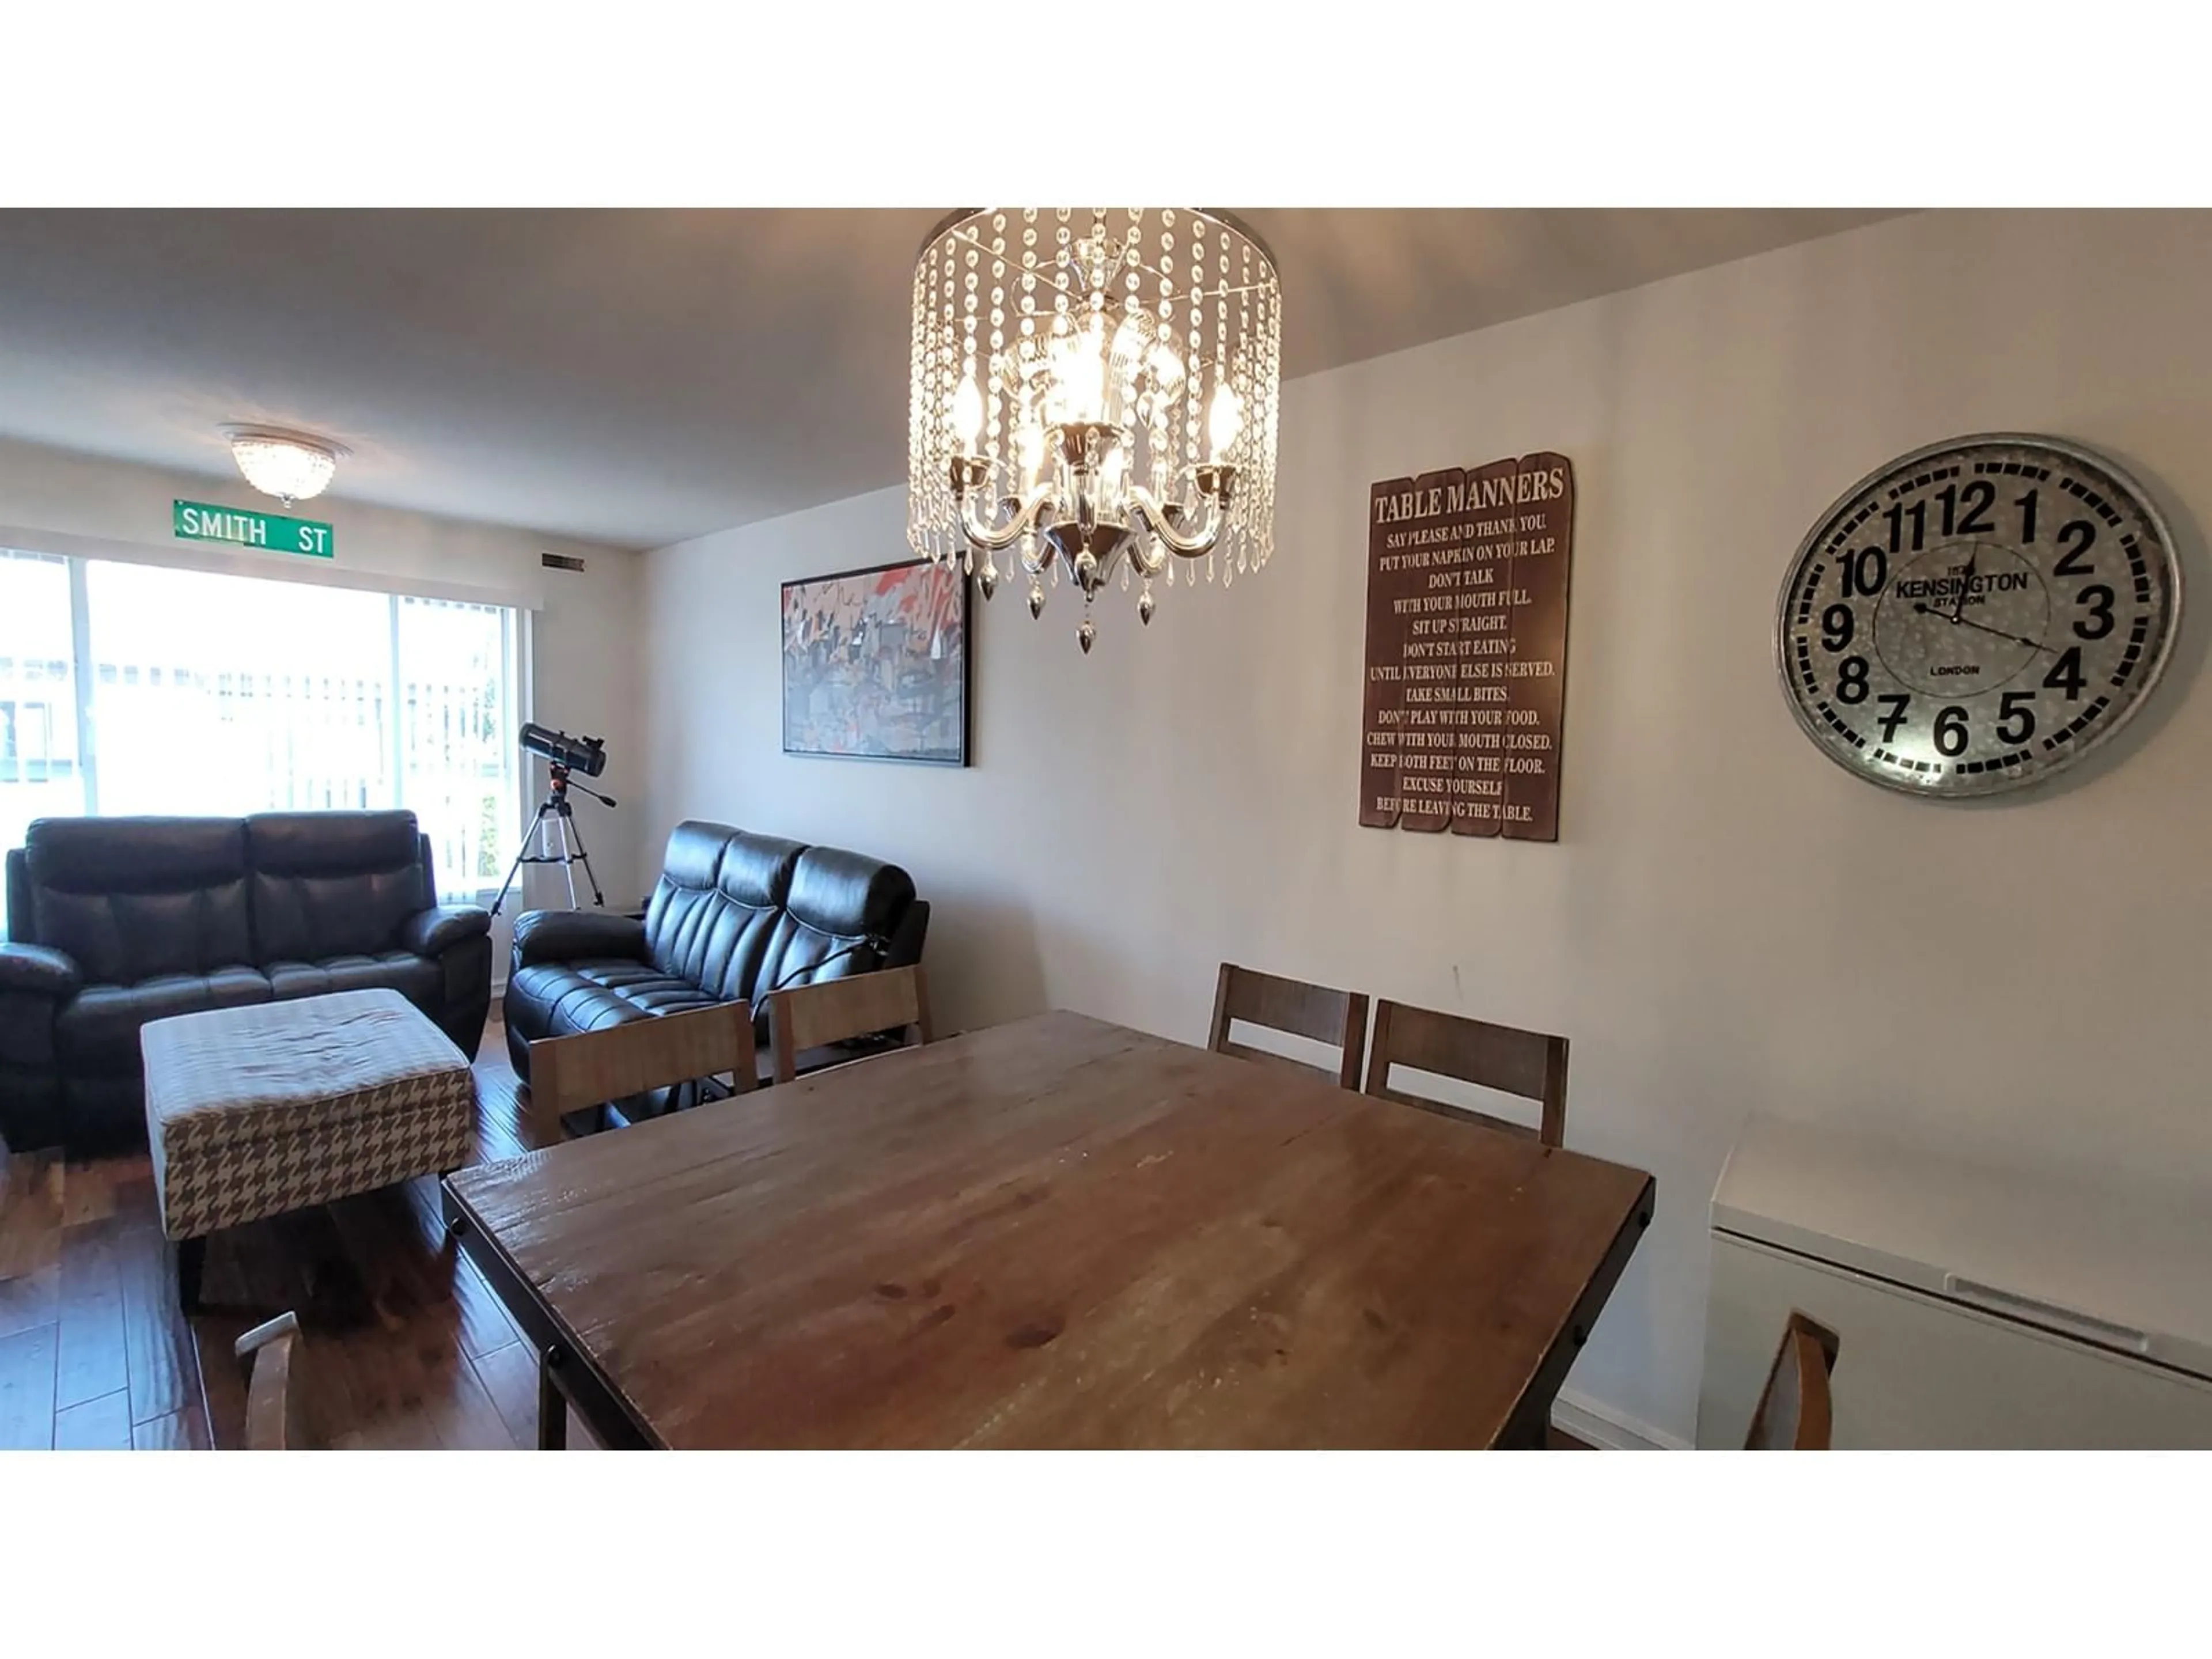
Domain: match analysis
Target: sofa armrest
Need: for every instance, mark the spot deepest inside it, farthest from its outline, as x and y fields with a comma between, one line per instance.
x=576, y=935
x=38, y=968
x=433, y=932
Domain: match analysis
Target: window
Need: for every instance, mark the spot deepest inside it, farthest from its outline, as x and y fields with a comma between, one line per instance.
x=131, y=687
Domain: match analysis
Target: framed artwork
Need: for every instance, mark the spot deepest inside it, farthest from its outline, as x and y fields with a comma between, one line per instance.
x=875, y=664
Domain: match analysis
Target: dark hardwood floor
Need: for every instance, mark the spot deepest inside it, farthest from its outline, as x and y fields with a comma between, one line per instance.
x=405, y=1345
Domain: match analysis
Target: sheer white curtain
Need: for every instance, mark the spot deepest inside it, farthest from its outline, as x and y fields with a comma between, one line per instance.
x=135, y=689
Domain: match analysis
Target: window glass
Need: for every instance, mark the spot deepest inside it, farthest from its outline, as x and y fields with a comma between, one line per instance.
x=457, y=734
x=223, y=694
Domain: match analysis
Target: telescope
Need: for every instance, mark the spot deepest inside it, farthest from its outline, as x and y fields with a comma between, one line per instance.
x=553, y=832
x=585, y=755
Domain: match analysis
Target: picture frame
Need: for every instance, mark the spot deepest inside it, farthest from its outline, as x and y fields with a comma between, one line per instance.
x=876, y=664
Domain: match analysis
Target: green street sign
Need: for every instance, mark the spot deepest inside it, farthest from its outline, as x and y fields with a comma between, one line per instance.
x=203, y=521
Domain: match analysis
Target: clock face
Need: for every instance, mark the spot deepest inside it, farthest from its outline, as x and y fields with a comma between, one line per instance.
x=1978, y=616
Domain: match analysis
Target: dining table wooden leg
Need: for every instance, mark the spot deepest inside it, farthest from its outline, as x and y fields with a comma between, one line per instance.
x=552, y=1406
x=191, y=1264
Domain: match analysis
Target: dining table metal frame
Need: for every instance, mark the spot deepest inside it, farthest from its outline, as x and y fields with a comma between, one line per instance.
x=566, y=1376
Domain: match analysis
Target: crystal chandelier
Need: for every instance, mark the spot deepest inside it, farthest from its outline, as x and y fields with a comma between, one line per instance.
x=289, y=466
x=1094, y=389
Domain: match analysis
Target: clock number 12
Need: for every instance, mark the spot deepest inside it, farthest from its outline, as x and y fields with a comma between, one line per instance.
x=1980, y=496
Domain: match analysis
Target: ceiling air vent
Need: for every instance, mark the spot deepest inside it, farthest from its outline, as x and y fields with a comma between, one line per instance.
x=560, y=562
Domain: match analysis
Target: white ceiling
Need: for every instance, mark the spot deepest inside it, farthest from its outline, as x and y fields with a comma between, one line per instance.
x=640, y=376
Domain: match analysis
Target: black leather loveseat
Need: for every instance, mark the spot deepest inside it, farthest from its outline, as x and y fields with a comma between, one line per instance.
x=113, y=922
x=733, y=917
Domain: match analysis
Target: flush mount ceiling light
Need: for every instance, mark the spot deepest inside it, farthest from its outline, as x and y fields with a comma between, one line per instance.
x=289, y=466
x=1094, y=388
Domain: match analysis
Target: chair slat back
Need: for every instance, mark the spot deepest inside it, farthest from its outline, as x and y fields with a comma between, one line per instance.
x=1796, y=1411
x=839, y=1009
x=574, y=1074
x=1315, y=1011
x=275, y=1420
x=1532, y=1065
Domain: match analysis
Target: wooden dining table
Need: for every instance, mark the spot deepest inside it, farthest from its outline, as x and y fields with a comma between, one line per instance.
x=1056, y=1232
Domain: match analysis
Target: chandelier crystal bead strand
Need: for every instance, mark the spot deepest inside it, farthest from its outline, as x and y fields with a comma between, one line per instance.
x=1095, y=394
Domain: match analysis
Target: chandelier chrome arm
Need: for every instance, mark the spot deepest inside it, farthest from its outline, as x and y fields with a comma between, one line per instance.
x=1217, y=485
x=969, y=472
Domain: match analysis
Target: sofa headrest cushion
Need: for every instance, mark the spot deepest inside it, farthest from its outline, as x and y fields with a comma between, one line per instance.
x=757, y=870
x=332, y=843
x=848, y=894
x=134, y=855
x=695, y=853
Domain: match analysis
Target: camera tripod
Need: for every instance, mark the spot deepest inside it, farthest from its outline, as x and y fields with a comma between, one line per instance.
x=556, y=822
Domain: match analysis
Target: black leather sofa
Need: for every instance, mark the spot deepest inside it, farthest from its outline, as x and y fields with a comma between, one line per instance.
x=733, y=916
x=113, y=922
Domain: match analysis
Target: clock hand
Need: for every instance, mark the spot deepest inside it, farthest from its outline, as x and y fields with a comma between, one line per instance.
x=2017, y=639
x=1968, y=622
x=1965, y=585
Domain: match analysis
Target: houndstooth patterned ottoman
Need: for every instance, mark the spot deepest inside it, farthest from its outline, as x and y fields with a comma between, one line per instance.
x=253, y=1111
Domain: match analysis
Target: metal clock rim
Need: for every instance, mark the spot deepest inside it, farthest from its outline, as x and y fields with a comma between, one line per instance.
x=2154, y=669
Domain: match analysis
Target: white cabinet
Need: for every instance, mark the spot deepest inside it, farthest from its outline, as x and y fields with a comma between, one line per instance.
x=1976, y=1307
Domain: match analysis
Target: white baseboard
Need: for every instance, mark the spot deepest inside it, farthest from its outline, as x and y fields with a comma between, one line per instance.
x=1601, y=1426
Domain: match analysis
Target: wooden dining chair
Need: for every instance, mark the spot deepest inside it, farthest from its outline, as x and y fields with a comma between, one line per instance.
x=589, y=1069
x=1528, y=1064
x=1797, y=1412
x=1249, y=997
x=275, y=1420
x=842, y=1009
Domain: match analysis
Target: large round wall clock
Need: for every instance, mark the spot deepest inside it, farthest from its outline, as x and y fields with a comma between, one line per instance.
x=1978, y=615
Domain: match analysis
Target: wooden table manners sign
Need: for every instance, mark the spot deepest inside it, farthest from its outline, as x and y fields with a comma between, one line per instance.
x=1466, y=648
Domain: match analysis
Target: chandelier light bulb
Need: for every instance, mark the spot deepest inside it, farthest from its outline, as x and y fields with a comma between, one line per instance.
x=1028, y=448
x=967, y=413
x=1225, y=420
x=291, y=465
x=1078, y=368
x=1131, y=341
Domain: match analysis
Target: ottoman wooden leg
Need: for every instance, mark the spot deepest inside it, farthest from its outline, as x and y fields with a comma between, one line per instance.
x=192, y=1257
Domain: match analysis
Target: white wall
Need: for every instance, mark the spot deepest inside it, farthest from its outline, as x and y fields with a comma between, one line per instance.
x=585, y=654
x=1729, y=922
